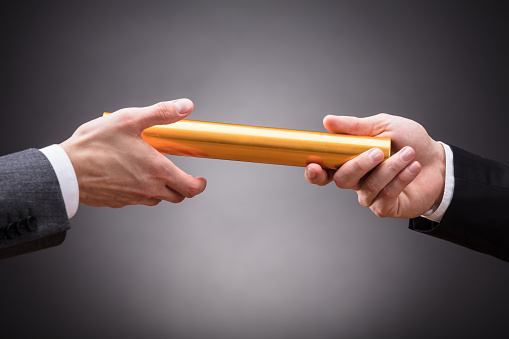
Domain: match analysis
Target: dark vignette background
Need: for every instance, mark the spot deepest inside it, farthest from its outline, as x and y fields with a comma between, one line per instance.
x=261, y=254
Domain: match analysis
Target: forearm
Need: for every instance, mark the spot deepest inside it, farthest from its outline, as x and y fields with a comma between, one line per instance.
x=33, y=214
x=475, y=217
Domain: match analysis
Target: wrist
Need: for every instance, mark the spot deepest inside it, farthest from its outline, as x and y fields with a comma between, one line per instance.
x=66, y=176
x=441, y=207
x=71, y=151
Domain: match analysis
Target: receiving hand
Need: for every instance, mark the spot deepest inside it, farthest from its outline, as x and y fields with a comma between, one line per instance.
x=116, y=167
x=406, y=185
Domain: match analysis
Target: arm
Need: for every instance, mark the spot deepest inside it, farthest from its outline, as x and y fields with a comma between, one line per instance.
x=406, y=185
x=32, y=210
x=411, y=182
x=114, y=167
x=481, y=186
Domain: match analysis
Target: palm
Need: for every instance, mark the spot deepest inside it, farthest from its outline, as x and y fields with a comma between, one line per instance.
x=406, y=185
x=420, y=195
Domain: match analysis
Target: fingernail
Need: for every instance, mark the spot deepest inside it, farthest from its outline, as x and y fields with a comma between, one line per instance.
x=183, y=106
x=414, y=167
x=408, y=154
x=311, y=173
x=376, y=155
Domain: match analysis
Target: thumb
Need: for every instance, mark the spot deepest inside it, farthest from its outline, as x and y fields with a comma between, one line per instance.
x=163, y=113
x=369, y=126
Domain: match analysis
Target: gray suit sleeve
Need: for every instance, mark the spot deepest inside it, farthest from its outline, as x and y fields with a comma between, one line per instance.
x=32, y=209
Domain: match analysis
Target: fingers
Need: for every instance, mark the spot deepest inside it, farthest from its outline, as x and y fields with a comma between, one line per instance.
x=169, y=194
x=316, y=175
x=151, y=202
x=162, y=113
x=369, y=126
x=386, y=203
x=184, y=186
x=351, y=174
x=183, y=183
x=383, y=175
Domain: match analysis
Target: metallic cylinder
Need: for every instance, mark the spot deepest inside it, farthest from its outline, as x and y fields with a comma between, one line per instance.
x=259, y=144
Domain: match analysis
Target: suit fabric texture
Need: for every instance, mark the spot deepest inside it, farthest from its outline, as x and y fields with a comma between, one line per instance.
x=32, y=210
x=477, y=217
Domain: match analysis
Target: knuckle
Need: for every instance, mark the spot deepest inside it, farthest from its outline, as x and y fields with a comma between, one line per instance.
x=178, y=199
x=144, y=196
x=154, y=170
x=363, y=200
x=361, y=166
x=402, y=181
x=83, y=129
x=380, y=208
x=150, y=202
x=394, y=166
x=340, y=181
x=383, y=121
x=192, y=190
x=370, y=186
x=136, y=201
x=145, y=193
x=378, y=211
x=164, y=110
x=126, y=119
x=356, y=126
x=155, y=202
x=386, y=194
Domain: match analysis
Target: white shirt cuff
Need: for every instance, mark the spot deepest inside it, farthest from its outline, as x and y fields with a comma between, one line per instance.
x=66, y=177
x=437, y=212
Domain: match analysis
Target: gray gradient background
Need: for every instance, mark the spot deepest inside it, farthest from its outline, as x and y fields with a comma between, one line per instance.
x=261, y=253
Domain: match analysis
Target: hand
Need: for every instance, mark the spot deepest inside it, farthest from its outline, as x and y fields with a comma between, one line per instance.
x=406, y=185
x=115, y=167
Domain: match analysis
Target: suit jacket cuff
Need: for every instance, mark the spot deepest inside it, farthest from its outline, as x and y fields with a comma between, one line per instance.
x=437, y=213
x=481, y=185
x=32, y=210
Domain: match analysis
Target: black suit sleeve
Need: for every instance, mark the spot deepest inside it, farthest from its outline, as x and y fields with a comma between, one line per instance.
x=478, y=216
x=32, y=209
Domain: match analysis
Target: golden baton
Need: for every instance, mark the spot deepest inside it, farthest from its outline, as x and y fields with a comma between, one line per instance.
x=259, y=144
